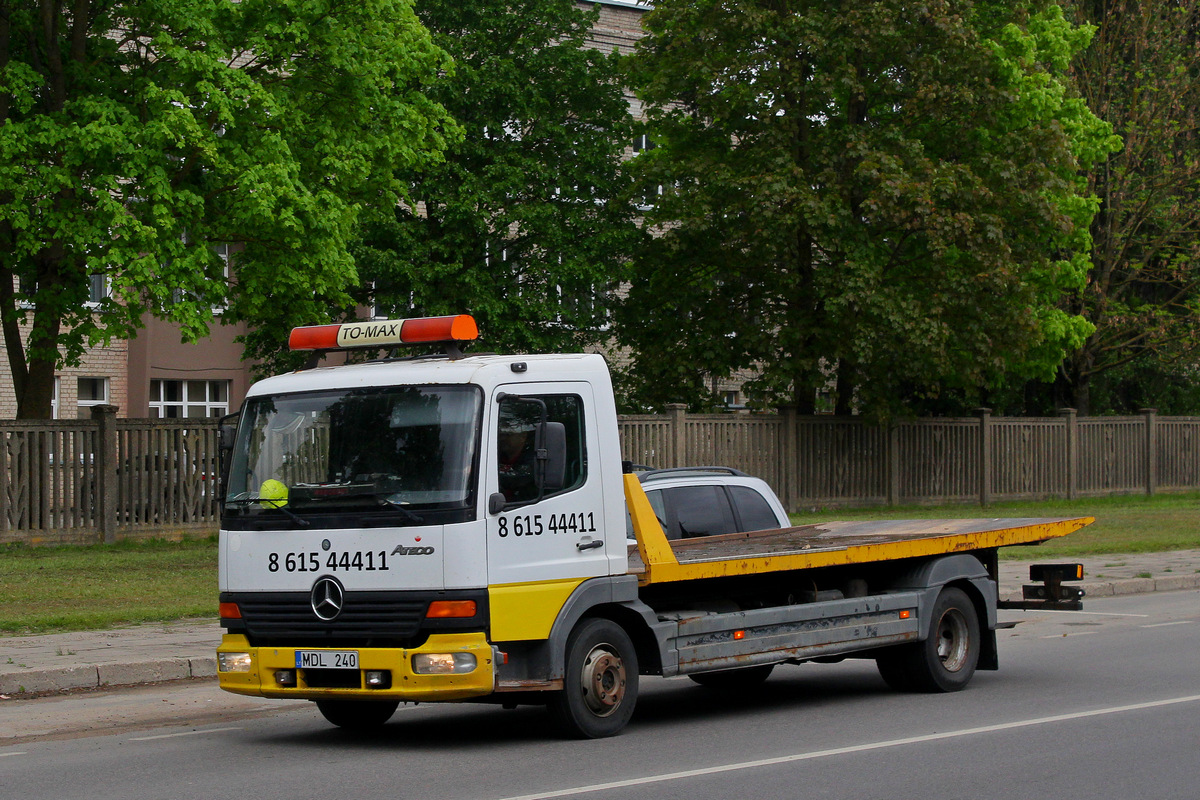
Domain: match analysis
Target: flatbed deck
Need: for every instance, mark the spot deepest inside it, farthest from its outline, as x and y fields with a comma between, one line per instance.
x=824, y=544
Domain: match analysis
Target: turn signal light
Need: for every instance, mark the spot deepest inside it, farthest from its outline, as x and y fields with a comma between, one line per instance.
x=230, y=611
x=451, y=609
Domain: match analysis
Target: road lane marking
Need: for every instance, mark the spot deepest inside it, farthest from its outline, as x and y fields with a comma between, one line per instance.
x=2, y=755
x=1091, y=613
x=1165, y=624
x=857, y=748
x=185, y=733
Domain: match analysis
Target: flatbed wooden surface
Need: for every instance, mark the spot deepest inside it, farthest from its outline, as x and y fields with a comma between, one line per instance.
x=832, y=543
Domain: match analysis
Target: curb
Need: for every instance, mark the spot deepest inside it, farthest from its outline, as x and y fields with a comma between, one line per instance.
x=101, y=676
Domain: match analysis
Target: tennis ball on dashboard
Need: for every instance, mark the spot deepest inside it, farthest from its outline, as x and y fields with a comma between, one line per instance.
x=273, y=494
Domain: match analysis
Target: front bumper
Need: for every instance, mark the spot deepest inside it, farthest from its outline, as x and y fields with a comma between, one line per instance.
x=405, y=684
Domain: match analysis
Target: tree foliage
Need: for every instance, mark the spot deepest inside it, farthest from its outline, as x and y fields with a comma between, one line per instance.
x=136, y=134
x=522, y=224
x=873, y=192
x=1141, y=75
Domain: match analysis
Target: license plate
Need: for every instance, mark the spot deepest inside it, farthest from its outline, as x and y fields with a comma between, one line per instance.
x=326, y=659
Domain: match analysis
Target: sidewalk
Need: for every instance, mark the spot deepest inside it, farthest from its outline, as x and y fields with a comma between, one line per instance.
x=163, y=652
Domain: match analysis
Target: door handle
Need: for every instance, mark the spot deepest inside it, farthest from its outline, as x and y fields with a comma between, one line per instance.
x=590, y=545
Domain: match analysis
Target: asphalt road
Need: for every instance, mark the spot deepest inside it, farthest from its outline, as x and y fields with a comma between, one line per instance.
x=1099, y=704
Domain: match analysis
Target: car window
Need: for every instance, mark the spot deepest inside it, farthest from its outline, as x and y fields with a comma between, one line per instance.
x=753, y=510
x=656, y=503
x=698, y=511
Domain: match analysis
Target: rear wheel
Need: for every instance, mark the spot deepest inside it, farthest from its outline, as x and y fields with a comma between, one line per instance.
x=600, y=686
x=734, y=679
x=357, y=715
x=946, y=660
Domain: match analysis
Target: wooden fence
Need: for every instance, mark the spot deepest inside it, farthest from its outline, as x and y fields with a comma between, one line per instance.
x=106, y=478
x=103, y=479
x=837, y=461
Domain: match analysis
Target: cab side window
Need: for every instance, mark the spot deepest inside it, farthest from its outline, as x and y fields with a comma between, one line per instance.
x=515, y=446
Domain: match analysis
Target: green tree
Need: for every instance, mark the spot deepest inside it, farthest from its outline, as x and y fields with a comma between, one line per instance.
x=1143, y=296
x=137, y=134
x=522, y=224
x=874, y=193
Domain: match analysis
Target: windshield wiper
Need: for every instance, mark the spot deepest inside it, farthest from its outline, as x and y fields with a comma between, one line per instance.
x=245, y=499
x=410, y=516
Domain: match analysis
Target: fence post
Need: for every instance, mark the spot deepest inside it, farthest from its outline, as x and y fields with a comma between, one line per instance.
x=985, y=456
x=1071, y=420
x=677, y=414
x=893, y=464
x=106, y=469
x=1151, y=415
x=789, y=457
x=7, y=474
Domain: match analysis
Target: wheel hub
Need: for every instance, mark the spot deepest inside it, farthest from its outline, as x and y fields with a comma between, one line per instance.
x=953, y=640
x=603, y=681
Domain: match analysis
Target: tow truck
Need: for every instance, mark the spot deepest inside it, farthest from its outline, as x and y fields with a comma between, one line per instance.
x=452, y=527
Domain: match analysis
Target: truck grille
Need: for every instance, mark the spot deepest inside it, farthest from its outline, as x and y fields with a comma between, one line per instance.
x=365, y=616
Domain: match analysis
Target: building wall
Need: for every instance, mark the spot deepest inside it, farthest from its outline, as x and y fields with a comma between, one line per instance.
x=98, y=362
x=158, y=354
x=619, y=26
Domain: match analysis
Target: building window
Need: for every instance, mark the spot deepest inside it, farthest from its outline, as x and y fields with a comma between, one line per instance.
x=97, y=288
x=92, y=392
x=54, y=399
x=191, y=399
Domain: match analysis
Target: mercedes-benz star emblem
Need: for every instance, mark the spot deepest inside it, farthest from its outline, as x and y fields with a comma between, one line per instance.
x=328, y=596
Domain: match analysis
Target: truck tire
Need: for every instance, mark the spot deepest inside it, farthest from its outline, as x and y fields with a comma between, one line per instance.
x=357, y=715
x=600, y=686
x=946, y=660
x=728, y=680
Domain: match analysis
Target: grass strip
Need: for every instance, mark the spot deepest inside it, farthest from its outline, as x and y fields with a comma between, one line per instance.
x=48, y=589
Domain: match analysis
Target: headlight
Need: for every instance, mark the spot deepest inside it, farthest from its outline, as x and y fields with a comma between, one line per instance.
x=443, y=663
x=234, y=662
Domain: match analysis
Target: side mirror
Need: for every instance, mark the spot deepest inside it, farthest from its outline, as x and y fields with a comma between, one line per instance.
x=554, y=445
x=226, y=435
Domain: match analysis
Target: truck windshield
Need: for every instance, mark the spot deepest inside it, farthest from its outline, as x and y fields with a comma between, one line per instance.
x=399, y=450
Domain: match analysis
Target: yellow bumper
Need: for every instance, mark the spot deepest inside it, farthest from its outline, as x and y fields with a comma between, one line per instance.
x=260, y=679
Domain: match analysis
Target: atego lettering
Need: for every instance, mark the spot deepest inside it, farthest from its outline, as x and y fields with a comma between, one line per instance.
x=401, y=550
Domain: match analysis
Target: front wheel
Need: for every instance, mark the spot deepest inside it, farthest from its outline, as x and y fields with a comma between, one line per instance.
x=600, y=686
x=357, y=715
x=946, y=660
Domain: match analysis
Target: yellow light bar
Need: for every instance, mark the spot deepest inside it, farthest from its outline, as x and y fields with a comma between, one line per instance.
x=384, y=333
